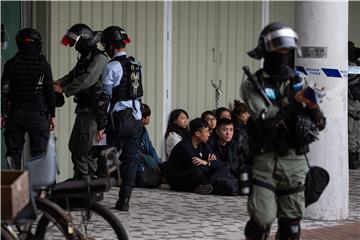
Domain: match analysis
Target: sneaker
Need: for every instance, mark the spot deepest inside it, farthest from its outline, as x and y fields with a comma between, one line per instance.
x=203, y=189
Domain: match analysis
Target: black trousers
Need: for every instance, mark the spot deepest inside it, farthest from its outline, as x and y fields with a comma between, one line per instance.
x=186, y=180
x=125, y=135
x=18, y=123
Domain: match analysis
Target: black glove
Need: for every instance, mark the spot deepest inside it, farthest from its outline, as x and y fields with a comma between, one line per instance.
x=306, y=130
x=102, y=106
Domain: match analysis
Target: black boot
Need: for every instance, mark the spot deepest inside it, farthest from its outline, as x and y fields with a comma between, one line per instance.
x=354, y=161
x=122, y=203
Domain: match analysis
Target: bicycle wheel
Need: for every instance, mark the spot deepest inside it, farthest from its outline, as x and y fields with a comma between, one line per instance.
x=54, y=222
x=98, y=223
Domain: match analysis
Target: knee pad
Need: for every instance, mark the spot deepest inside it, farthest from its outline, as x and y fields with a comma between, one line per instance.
x=253, y=231
x=289, y=229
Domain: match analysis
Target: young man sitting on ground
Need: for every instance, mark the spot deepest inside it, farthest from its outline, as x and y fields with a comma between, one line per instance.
x=191, y=162
x=225, y=181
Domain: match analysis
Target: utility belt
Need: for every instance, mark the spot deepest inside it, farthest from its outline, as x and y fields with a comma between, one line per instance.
x=122, y=117
x=278, y=193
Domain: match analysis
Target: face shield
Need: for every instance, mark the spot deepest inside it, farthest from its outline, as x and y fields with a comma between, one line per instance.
x=281, y=38
x=70, y=39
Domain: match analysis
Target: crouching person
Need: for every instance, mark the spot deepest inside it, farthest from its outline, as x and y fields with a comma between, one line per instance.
x=191, y=162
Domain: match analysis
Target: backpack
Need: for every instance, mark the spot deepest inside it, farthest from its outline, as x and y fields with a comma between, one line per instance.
x=224, y=183
x=225, y=186
x=148, y=174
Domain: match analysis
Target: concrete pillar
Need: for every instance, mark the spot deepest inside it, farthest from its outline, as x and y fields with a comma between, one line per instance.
x=323, y=33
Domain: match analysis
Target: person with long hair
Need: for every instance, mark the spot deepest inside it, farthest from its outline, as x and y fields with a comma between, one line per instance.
x=210, y=118
x=177, y=129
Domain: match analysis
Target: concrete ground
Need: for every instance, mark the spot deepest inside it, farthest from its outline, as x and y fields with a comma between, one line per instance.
x=164, y=214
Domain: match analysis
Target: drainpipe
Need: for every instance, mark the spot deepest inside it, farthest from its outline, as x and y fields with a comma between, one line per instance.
x=323, y=34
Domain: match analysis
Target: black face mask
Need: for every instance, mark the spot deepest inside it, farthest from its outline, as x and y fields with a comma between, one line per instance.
x=82, y=48
x=277, y=65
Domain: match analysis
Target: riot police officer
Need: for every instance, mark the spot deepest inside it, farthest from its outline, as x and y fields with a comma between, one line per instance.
x=354, y=108
x=283, y=127
x=27, y=97
x=121, y=94
x=83, y=82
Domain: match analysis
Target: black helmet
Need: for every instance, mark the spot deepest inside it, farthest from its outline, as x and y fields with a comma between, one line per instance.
x=82, y=37
x=76, y=34
x=275, y=36
x=114, y=35
x=28, y=37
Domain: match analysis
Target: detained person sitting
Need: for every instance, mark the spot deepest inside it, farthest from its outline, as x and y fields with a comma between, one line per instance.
x=191, y=162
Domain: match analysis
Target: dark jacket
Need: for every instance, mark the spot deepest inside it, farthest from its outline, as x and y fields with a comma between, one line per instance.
x=27, y=84
x=227, y=154
x=241, y=136
x=146, y=146
x=181, y=157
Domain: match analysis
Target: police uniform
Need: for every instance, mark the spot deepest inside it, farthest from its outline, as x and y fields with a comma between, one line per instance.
x=124, y=128
x=28, y=100
x=279, y=137
x=83, y=82
x=273, y=171
x=120, y=103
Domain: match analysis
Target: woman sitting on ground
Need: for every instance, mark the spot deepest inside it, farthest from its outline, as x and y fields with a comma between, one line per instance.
x=177, y=129
x=210, y=118
x=241, y=116
x=222, y=112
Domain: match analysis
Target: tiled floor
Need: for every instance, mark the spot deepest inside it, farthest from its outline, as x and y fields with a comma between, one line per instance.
x=164, y=214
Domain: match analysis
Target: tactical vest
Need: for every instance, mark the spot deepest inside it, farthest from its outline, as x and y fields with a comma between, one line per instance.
x=278, y=133
x=130, y=86
x=88, y=96
x=27, y=74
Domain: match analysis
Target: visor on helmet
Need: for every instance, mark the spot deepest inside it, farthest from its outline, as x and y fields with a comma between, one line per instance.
x=70, y=39
x=282, y=38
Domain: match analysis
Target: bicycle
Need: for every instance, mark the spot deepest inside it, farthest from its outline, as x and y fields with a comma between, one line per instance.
x=25, y=225
x=79, y=197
